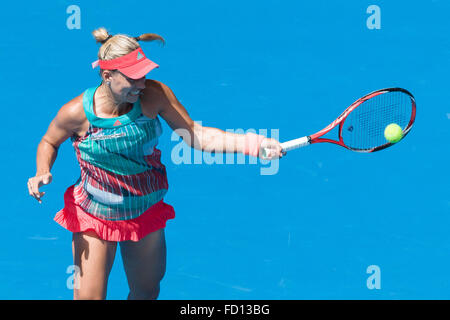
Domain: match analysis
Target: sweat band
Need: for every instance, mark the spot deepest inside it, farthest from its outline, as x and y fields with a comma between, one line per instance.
x=252, y=144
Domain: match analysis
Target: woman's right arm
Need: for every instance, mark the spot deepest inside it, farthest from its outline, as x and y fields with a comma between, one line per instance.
x=67, y=122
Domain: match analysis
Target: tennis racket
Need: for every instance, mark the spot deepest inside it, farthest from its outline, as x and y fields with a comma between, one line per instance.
x=362, y=125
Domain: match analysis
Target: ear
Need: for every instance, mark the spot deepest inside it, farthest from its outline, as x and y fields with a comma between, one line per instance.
x=107, y=75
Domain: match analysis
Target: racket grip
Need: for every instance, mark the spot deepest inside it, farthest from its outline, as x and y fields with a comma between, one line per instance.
x=296, y=143
x=289, y=145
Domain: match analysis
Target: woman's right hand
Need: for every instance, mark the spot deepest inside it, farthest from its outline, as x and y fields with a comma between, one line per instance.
x=34, y=183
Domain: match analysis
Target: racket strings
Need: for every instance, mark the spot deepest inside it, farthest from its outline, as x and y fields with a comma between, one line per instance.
x=363, y=129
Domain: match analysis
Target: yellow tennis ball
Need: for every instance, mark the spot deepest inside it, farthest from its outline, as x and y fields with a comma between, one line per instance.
x=393, y=133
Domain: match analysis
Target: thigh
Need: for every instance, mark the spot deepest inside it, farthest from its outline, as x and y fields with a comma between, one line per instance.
x=94, y=257
x=145, y=264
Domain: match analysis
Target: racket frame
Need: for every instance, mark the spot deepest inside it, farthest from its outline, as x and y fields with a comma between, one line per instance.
x=316, y=137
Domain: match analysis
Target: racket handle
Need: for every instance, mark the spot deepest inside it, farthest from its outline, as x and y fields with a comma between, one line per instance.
x=290, y=145
x=296, y=143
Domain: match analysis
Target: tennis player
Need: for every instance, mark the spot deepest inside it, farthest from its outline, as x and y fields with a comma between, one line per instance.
x=119, y=197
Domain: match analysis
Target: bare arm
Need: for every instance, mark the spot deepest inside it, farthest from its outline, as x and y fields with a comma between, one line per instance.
x=62, y=127
x=67, y=122
x=195, y=135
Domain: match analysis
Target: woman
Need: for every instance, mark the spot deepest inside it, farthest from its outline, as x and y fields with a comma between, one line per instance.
x=118, y=198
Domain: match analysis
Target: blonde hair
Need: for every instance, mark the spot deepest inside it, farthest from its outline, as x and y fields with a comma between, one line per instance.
x=120, y=44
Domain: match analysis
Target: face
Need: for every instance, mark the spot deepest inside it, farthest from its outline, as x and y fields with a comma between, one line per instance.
x=123, y=88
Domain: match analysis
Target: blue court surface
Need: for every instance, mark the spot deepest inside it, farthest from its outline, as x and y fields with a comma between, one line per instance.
x=315, y=229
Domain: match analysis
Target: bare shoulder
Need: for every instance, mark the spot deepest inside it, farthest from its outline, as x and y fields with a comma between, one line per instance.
x=70, y=120
x=74, y=109
x=168, y=106
x=71, y=116
x=154, y=85
x=157, y=96
x=156, y=89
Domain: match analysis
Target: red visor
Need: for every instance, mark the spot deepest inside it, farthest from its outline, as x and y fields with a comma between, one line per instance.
x=134, y=65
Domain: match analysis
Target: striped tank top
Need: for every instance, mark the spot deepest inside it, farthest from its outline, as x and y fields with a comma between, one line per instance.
x=121, y=170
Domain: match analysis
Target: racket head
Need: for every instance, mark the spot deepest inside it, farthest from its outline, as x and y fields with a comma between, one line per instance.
x=362, y=129
x=362, y=124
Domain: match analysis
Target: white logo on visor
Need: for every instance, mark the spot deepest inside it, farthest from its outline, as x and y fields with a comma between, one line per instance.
x=140, y=56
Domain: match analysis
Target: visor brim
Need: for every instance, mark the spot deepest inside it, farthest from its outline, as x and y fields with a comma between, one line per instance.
x=139, y=69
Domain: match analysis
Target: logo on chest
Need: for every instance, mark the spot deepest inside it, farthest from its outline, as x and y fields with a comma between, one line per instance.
x=109, y=136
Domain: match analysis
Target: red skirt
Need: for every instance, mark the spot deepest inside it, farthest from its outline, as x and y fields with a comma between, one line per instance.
x=75, y=219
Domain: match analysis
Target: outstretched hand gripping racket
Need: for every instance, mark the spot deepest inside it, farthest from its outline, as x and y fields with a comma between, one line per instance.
x=361, y=125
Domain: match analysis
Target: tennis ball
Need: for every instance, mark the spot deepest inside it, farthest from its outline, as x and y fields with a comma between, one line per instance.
x=393, y=133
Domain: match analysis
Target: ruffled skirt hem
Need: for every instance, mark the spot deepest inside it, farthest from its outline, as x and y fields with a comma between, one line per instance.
x=75, y=219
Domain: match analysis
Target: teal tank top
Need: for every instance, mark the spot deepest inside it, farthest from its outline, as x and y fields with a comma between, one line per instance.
x=121, y=171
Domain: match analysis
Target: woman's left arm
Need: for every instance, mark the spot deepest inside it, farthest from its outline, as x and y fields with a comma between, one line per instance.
x=206, y=138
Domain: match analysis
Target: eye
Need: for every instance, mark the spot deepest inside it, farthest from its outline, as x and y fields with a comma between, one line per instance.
x=129, y=79
x=137, y=80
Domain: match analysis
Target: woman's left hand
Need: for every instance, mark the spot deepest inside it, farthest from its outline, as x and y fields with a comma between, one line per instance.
x=271, y=149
